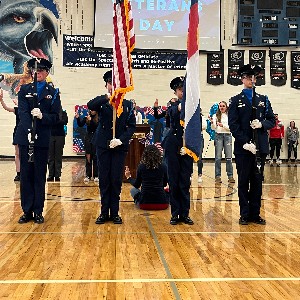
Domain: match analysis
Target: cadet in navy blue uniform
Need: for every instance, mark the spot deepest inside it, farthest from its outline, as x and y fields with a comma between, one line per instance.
x=180, y=165
x=33, y=174
x=242, y=122
x=111, y=152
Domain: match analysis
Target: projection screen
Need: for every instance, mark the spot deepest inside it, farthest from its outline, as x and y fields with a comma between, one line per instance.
x=161, y=24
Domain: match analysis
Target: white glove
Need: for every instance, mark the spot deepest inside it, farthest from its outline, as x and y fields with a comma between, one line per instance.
x=114, y=143
x=36, y=112
x=250, y=147
x=182, y=151
x=255, y=124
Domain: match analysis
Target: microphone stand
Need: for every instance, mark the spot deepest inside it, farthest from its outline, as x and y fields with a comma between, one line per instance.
x=255, y=133
x=34, y=104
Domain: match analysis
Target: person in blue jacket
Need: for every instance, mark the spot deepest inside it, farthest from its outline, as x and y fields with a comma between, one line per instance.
x=111, y=151
x=33, y=174
x=250, y=113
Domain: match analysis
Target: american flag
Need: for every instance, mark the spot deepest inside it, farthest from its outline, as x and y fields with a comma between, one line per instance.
x=147, y=139
x=150, y=111
x=190, y=108
x=78, y=145
x=123, y=44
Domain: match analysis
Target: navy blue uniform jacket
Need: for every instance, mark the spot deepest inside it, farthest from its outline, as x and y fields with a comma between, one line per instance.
x=125, y=124
x=176, y=129
x=49, y=104
x=240, y=116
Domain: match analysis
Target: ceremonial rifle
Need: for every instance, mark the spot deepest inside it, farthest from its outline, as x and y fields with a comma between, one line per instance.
x=34, y=104
x=255, y=133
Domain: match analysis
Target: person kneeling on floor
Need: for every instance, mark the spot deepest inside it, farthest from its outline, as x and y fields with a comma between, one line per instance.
x=152, y=179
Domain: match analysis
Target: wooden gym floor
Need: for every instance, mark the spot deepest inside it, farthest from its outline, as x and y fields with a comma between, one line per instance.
x=70, y=257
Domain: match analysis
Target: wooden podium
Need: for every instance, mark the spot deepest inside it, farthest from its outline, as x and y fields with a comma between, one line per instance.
x=136, y=149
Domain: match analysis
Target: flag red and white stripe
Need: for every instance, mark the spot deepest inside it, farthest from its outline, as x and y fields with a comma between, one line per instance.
x=123, y=44
x=191, y=98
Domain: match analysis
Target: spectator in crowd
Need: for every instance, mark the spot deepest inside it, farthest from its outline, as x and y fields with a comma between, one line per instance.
x=15, y=111
x=276, y=135
x=249, y=128
x=56, y=147
x=292, y=134
x=200, y=161
x=91, y=121
x=138, y=115
x=223, y=140
x=151, y=178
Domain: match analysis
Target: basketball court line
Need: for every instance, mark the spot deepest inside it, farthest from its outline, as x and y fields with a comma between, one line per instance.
x=146, y=280
x=147, y=232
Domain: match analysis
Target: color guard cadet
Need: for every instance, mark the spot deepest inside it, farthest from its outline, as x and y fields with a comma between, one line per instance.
x=111, y=151
x=180, y=165
x=250, y=115
x=40, y=102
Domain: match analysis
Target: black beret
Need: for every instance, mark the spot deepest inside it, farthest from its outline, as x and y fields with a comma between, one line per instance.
x=107, y=77
x=176, y=83
x=249, y=70
x=42, y=63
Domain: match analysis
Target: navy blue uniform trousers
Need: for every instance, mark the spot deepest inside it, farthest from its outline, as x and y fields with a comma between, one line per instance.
x=180, y=168
x=249, y=184
x=111, y=169
x=33, y=179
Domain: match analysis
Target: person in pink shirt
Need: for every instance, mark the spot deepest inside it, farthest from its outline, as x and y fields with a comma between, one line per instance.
x=276, y=134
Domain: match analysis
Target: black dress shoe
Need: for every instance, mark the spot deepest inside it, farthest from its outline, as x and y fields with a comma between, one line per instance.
x=50, y=178
x=38, y=218
x=25, y=218
x=258, y=220
x=102, y=219
x=174, y=221
x=243, y=221
x=117, y=220
x=57, y=179
x=187, y=220
x=17, y=178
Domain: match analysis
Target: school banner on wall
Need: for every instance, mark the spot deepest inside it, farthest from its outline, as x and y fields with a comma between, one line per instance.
x=78, y=51
x=295, y=69
x=278, y=68
x=235, y=61
x=258, y=58
x=215, y=68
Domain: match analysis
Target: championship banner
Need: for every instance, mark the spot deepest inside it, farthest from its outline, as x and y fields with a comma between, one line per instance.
x=235, y=61
x=215, y=68
x=295, y=69
x=78, y=52
x=278, y=68
x=258, y=58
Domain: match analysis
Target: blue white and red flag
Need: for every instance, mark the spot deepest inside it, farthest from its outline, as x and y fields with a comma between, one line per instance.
x=190, y=108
